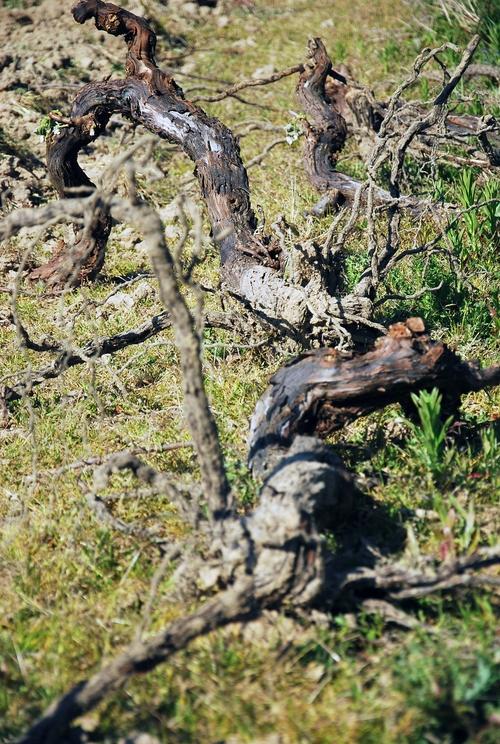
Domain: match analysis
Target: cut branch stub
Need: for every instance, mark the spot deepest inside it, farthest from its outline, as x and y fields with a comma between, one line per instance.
x=323, y=390
x=140, y=39
x=326, y=136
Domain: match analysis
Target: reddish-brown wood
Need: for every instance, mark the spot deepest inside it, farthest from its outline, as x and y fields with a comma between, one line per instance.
x=323, y=390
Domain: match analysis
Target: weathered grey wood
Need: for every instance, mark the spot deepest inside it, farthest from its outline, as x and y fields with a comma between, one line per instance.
x=275, y=555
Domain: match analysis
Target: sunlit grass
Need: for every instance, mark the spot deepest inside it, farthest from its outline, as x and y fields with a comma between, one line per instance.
x=73, y=592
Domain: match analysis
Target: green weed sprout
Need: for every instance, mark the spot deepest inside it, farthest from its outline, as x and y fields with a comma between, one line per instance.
x=431, y=434
x=47, y=125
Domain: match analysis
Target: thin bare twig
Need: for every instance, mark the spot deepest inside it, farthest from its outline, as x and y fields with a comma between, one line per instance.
x=250, y=83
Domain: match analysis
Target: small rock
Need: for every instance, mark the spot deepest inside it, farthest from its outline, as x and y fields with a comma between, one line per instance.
x=171, y=232
x=89, y=722
x=315, y=672
x=262, y=72
x=142, y=291
x=142, y=248
x=120, y=300
x=208, y=577
x=190, y=9
x=249, y=41
x=86, y=62
x=188, y=67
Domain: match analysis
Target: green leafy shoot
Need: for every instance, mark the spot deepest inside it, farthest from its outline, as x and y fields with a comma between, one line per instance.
x=47, y=125
x=430, y=436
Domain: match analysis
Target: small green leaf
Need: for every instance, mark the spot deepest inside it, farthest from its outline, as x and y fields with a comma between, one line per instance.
x=47, y=125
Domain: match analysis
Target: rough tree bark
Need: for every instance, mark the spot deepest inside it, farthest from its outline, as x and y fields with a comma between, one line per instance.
x=251, y=264
x=152, y=98
x=321, y=93
x=85, y=258
x=321, y=391
x=275, y=556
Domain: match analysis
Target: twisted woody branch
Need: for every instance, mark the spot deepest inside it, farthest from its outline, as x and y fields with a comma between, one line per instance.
x=152, y=98
x=251, y=264
x=276, y=555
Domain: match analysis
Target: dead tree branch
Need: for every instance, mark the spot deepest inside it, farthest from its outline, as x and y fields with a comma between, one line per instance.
x=251, y=263
x=364, y=115
x=323, y=390
x=275, y=555
x=94, y=349
x=326, y=136
x=200, y=420
x=400, y=582
x=253, y=82
x=186, y=500
x=68, y=357
x=229, y=606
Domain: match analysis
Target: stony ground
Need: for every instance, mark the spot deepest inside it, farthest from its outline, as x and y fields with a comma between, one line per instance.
x=73, y=591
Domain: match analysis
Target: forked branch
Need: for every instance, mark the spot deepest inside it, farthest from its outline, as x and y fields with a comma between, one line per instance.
x=252, y=264
x=275, y=556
